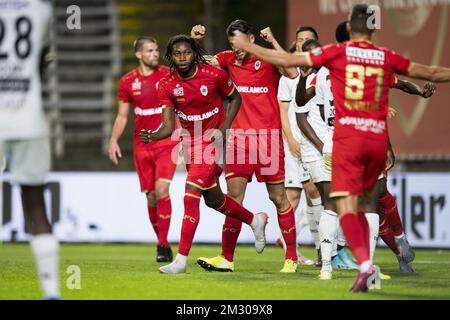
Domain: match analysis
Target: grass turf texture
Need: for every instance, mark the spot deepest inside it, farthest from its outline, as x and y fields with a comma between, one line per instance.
x=130, y=272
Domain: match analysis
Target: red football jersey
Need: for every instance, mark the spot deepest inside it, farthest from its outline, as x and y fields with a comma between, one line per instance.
x=361, y=75
x=197, y=100
x=142, y=92
x=257, y=82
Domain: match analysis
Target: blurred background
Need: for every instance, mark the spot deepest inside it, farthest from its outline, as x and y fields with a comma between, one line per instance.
x=86, y=189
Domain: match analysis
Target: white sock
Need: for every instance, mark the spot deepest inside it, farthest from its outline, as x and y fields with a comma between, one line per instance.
x=45, y=249
x=317, y=208
x=340, y=237
x=182, y=260
x=301, y=221
x=313, y=227
x=400, y=236
x=374, y=227
x=365, y=266
x=327, y=235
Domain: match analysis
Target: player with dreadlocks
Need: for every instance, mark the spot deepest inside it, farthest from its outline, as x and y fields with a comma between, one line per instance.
x=193, y=90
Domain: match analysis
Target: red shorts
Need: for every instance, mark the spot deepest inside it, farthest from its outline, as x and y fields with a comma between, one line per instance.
x=155, y=164
x=202, y=164
x=357, y=162
x=262, y=155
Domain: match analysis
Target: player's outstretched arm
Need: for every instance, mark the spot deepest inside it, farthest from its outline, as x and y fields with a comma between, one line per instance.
x=411, y=88
x=268, y=36
x=390, y=156
x=165, y=130
x=429, y=73
x=278, y=58
x=120, y=123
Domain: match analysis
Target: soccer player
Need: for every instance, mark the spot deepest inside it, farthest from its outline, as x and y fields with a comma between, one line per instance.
x=154, y=164
x=360, y=73
x=297, y=177
x=24, y=138
x=390, y=225
x=294, y=167
x=193, y=91
x=255, y=144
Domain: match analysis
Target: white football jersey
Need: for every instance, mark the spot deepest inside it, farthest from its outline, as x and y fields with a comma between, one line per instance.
x=24, y=32
x=286, y=93
x=325, y=98
x=308, y=150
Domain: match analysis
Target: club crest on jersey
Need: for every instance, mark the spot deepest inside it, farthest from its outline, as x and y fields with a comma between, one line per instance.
x=137, y=85
x=204, y=90
x=178, y=91
x=257, y=65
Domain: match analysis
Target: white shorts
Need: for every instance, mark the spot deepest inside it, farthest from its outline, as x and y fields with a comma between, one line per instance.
x=327, y=167
x=316, y=170
x=27, y=160
x=295, y=172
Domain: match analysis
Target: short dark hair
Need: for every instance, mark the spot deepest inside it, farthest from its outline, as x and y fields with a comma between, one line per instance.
x=307, y=28
x=309, y=43
x=358, y=19
x=239, y=25
x=182, y=38
x=342, y=34
x=139, y=42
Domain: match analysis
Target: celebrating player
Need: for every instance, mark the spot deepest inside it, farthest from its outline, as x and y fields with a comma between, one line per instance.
x=153, y=161
x=255, y=144
x=360, y=74
x=194, y=90
x=24, y=141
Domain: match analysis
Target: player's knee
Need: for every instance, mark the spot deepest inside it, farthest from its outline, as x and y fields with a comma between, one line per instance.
x=236, y=195
x=278, y=198
x=162, y=191
x=212, y=203
x=151, y=199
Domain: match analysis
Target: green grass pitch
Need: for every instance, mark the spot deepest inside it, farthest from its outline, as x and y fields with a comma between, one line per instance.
x=130, y=272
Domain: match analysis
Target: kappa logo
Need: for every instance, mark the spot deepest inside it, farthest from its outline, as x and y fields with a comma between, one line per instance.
x=204, y=90
x=257, y=65
x=137, y=85
x=178, y=91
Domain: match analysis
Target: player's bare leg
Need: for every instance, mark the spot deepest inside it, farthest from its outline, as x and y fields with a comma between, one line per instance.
x=44, y=246
x=286, y=221
x=164, y=214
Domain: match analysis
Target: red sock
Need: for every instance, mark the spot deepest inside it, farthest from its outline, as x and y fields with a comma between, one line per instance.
x=354, y=234
x=230, y=234
x=365, y=229
x=233, y=209
x=164, y=210
x=388, y=236
x=390, y=211
x=286, y=221
x=190, y=221
x=153, y=219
